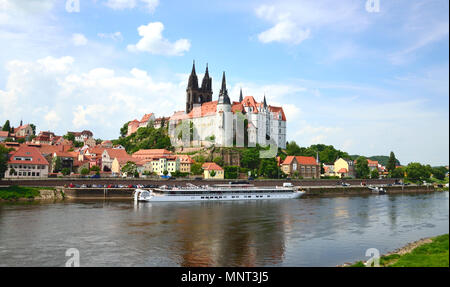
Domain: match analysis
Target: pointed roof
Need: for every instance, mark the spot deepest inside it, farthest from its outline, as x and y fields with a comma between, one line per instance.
x=265, y=103
x=240, y=96
x=223, y=95
x=207, y=81
x=193, y=80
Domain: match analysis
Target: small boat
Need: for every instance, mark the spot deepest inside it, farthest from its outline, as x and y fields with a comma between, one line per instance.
x=376, y=189
x=217, y=192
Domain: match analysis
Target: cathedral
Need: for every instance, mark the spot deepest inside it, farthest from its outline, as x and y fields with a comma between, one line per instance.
x=221, y=122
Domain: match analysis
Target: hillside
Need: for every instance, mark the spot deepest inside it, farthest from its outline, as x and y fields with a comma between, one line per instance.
x=382, y=159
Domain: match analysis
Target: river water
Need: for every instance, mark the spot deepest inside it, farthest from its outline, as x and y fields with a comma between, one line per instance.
x=300, y=232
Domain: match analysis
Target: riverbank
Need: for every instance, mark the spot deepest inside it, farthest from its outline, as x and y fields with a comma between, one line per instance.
x=426, y=252
x=27, y=193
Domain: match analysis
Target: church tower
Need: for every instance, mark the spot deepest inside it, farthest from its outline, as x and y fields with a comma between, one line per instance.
x=194, y=93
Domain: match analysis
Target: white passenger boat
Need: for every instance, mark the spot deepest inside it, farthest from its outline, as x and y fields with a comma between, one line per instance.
x=217, y=192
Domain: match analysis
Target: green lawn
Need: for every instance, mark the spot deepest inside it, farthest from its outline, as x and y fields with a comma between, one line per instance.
x=434, y=254
x=16, y=192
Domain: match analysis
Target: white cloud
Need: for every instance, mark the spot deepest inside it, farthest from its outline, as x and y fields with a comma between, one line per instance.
x=151, y=5
x=54, y=95
x=153, y=42
x=148, y=5
x=79, y=39
x=116, y=36
x=285, y=32
x=121, y=4
x=293, y=21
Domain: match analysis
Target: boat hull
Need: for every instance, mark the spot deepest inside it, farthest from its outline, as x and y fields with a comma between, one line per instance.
x=222, y=197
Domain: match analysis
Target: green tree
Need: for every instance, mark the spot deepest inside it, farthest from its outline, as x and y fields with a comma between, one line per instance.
x=12, y=171
x=268, y=168
x=196, y=168
x=3, y=160
x=84, y=171
x=439, y=172
x=129, y=168
x=33, y=127
x=250, y=158
x=398, y=172
x=20, y=140
x=165, y=172
x=65, y=171
x=416, y=171
x=392, y=162
x=70, y=137
x=124, y=130
x=95, y=168
x=57, y=164
x=219, y=160
x=362, y=168
x=212, y=173
x=374, y=174
x=6, y=127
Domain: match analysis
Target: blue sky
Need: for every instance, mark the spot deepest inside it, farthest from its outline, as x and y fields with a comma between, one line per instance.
x=367, y=82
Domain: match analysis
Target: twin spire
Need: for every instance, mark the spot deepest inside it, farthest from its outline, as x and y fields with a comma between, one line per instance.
x=207, y=86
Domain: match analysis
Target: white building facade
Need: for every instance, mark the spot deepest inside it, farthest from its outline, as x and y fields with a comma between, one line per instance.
x=223, y=123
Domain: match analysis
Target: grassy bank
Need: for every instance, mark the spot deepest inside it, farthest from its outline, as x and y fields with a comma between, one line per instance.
x=432, y=254
x=15, y=192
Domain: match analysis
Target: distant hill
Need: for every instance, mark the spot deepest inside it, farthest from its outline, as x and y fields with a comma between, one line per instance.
x=382, y=159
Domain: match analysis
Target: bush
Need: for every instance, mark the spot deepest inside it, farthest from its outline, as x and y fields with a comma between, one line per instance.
x=65, y=171
x=84, y=171
x=95, y=168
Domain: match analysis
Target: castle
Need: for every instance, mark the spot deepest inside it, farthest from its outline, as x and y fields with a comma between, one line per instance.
x=221, y=122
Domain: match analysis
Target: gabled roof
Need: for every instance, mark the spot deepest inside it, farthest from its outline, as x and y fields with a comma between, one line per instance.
x=303, y=160
x=343, y=170
x=26, y=151
x=211, y=166
x=184, y=158
x=4, y=134
x=146, y=117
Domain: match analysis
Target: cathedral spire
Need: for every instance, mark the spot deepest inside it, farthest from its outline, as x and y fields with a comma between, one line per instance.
x=223, y=95
x=207, y=82
x=193, y=80
x=240, y=96
x=265, y=103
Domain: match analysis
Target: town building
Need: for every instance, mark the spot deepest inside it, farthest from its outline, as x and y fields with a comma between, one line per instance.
x=220, y=122
x=3, y=135
x=185, y=163
x=344, y=168
x=211, y=170
x=151, y=153
x=23, y=131
x=26, y=162
x=81, y=136
x=301, y=166
x=135, y=124
x=169, y=163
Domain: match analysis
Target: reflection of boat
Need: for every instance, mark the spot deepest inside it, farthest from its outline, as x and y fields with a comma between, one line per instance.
x=217, y=192
x=376, y=189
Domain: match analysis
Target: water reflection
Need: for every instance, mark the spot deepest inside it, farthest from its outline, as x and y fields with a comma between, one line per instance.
x=304, y=232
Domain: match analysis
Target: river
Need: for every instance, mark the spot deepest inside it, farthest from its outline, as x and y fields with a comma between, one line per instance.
x=300, y=232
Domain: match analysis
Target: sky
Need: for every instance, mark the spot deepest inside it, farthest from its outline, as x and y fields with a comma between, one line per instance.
x=366, y=76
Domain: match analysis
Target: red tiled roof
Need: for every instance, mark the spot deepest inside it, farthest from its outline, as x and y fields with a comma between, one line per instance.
x=151, y=153
x=146, y=117
x=302, y=160
x=184, y=158
x=372, y=162
x=211, y=166
x=4, y=134
x=342, y=170
x=117, y=153
x=26, y=151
